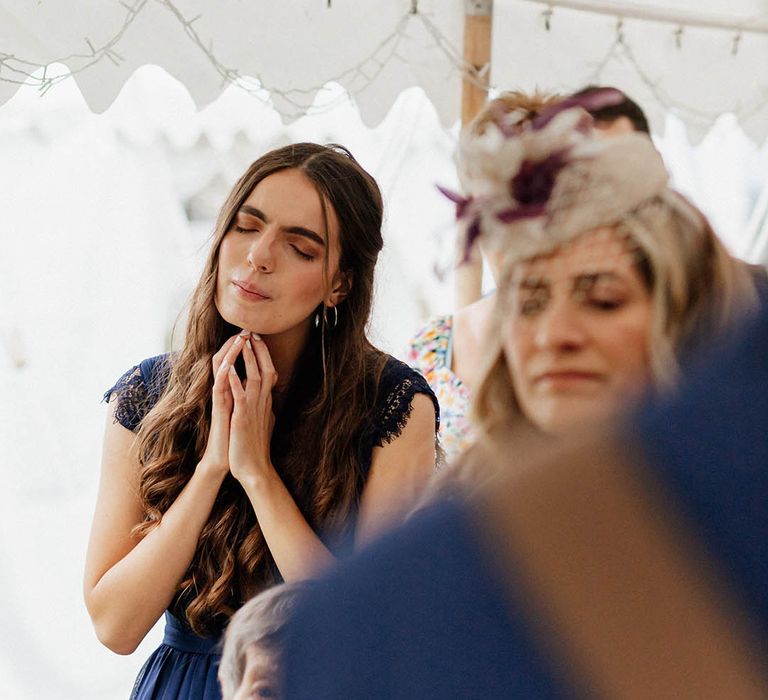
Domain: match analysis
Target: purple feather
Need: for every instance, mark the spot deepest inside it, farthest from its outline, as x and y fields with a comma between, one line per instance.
x=533, y=184
x=526, y=211
x=591, y=101
x=473, y=233
x=462, y=203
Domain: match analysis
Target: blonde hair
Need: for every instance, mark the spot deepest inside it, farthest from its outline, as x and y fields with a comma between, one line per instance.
x=698, y=292
x=518, y=106
x=260, y=622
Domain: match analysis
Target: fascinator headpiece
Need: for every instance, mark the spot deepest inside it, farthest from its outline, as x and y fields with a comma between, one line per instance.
x=532, y=187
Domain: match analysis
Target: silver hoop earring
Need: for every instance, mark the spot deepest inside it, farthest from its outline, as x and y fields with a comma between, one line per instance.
x=335, y=317
x=317, y=319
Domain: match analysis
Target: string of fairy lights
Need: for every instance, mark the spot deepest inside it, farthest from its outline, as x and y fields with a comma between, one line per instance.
x=15, y=69
x=621, y=49
x=357, y=78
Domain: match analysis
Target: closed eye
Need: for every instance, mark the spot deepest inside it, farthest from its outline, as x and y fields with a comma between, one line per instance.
x=302, y=254
x=606, y=304
x=243, y=229
x=531, y=306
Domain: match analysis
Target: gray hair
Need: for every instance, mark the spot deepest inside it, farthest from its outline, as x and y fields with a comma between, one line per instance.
x=259, y=622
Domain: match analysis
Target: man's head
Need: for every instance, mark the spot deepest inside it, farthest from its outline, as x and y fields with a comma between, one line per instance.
x=250, y=661
x=621, y=118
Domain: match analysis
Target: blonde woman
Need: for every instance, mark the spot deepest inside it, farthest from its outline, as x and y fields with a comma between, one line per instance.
x=610, y=279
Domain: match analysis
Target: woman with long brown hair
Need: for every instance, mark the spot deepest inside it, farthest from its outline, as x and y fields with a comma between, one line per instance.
x=258, y=455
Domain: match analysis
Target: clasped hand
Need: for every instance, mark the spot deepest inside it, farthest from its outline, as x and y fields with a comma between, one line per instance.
x=242, y=419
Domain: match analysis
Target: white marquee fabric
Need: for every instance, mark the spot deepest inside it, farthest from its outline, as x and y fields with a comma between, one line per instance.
x=699, y=58
x=95, y=247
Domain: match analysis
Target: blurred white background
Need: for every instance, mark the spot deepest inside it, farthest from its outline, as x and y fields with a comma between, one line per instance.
x=103, y=226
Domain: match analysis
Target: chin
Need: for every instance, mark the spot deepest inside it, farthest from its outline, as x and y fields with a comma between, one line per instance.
x=577, y=415
x=237, y=317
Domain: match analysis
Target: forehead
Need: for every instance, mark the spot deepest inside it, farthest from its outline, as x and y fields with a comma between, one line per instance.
x=260, y=662
x=603, y=250
x=291, y=200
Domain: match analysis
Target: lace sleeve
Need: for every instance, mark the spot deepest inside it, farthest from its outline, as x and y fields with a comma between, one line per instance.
x=400, y=384
x=138, y=390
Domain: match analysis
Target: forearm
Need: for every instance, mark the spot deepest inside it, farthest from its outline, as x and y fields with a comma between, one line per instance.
x=130, y=597
x=298, y=552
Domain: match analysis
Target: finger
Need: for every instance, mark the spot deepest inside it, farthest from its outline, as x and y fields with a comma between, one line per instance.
x=222, y=394
x=251, y=370
x=225, y=350
x=238, y=393
x=218, y=357
x=266, y=367
x=222, y=408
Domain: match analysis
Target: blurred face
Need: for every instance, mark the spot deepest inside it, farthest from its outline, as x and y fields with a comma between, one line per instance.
x=615, y=127
x=271, y=261
x=576, y=342
x=260, y=678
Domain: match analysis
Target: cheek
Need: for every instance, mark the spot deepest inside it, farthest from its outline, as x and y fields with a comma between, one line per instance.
x=516, y=345
x=227, y=260
x=307, y=286
x=627, y=346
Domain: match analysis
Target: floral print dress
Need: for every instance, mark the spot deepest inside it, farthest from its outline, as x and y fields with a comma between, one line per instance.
x=430, y=353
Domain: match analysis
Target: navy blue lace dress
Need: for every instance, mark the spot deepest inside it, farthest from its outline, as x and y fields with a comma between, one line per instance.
x=185, y=665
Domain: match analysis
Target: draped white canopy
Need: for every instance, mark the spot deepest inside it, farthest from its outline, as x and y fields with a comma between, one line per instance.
x=96, y=251
x=699, y=58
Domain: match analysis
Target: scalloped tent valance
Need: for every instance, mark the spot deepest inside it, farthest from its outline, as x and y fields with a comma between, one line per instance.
x=690, y=56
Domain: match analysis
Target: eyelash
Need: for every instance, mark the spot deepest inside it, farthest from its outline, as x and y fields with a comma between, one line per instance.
x=532, y=306
x=606, y=305
x=305, y=256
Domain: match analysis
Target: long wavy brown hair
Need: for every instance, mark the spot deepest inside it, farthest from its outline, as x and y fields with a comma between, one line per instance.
x=325, y=410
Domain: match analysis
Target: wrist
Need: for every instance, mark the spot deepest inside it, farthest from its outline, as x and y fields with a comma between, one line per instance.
x=258, y=479
x=211, y=472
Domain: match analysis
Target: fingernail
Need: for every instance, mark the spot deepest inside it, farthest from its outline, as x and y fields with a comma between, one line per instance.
x=224, y=366
x=255, y=336
x=244, y=333
x=239, y=339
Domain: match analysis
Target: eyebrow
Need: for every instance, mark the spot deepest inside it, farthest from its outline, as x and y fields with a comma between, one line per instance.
x=298, y=230
x=579, y=281
x=595, y=277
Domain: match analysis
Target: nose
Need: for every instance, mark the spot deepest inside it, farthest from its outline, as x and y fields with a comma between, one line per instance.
x=559, y=328
x=260, y=255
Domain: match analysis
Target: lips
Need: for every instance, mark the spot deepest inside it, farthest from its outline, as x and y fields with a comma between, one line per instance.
x=566, y=376
x=251, y=291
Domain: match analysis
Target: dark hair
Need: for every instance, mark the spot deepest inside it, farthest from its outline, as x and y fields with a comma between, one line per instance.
x=323, y=414
x=627, y=108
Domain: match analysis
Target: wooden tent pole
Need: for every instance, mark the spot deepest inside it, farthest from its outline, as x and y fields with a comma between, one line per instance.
x=478, y=19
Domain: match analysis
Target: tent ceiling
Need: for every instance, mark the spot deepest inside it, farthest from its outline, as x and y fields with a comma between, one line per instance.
x=698, y=57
